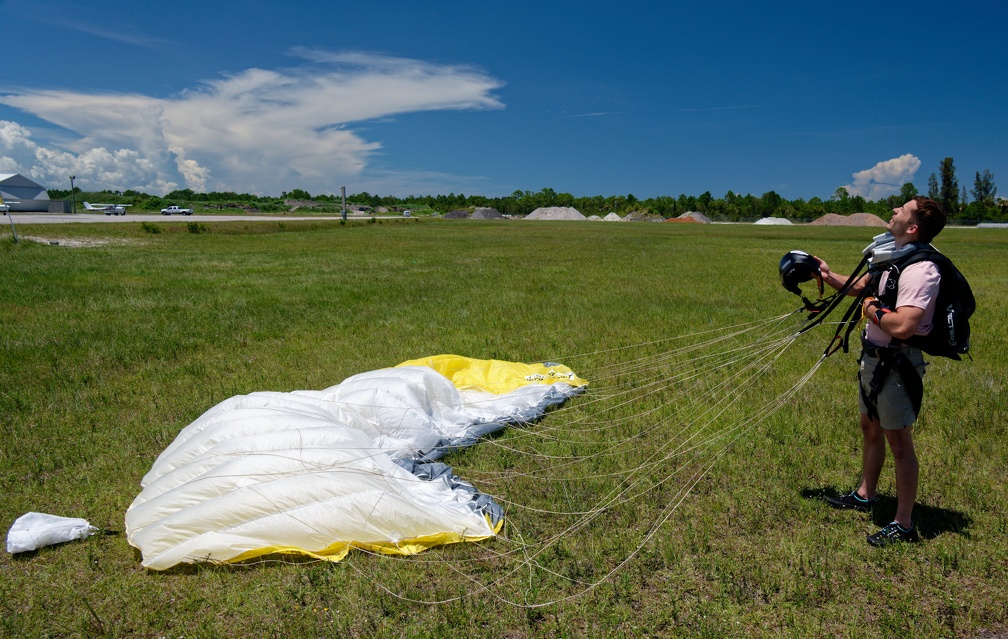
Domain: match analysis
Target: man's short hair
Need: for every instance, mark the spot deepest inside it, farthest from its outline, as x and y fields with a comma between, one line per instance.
x=930, y=218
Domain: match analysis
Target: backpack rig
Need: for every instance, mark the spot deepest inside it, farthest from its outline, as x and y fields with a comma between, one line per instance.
x=955, y=304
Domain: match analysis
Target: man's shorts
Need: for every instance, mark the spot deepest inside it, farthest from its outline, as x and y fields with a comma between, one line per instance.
x=895, y=410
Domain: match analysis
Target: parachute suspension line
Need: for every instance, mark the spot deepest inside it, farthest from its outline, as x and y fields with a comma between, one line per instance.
x=530, y=555
x=653, y=362
x=671, y=416
x=617, y=447
x=632, y=347
x=662, y=456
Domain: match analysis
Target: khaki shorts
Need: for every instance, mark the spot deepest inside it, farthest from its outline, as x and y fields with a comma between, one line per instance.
x=895, y=410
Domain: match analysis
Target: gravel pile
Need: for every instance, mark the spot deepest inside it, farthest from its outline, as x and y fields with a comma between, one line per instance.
x=486, y=213
x=555, y=213
x=854, y=219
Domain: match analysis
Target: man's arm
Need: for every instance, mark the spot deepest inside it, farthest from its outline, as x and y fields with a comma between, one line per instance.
x=837, y=281
x=900, y=324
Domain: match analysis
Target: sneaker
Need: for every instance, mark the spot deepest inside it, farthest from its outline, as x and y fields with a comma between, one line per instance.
x=851, y=500
x=893, y=533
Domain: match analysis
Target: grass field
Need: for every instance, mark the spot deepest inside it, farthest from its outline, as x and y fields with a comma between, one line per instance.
x=119, y=335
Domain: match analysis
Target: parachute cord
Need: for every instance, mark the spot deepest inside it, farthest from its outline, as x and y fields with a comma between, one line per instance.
x=833, y=301
x=674, y=457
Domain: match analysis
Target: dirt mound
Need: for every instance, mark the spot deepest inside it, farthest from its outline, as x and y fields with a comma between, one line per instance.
x=485, y=213
x=643, y=216
x=612, y=217
x=773, y=220
x=555, y=213
x=457, y=214
x=854, y=219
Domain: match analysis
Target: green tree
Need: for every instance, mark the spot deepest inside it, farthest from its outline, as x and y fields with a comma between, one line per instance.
x=908, y=192
x=296, y=194
x=948, y=195
x=771, y=204
x=933, y=192
x=704, y=201
x=984, y=190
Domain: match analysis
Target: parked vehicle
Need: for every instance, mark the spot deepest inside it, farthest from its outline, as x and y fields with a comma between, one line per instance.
x=171, y=210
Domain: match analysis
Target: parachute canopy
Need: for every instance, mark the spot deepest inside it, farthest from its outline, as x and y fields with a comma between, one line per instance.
x=320, y=472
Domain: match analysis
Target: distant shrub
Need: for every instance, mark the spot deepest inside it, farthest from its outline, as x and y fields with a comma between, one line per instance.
x=197, y=227
x=150, y=227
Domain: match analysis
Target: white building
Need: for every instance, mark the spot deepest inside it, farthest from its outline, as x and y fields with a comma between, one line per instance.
x=24, y=195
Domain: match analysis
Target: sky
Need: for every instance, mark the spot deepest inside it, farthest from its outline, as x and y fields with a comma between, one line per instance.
x=488, y=98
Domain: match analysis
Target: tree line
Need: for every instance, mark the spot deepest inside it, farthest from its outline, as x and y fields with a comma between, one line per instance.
x=943, y=186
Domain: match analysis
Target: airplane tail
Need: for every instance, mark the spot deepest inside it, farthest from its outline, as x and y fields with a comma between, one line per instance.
x=87, y=205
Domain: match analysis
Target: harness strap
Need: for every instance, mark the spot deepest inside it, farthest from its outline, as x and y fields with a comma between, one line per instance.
x=820, y=310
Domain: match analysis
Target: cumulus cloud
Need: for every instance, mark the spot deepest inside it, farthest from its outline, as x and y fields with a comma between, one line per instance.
x=885, y=178
x=260, y=130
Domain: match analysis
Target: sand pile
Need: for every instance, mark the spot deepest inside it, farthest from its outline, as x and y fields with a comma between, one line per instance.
x=486, y=213
x=555, y=213
x=457, y=214
x=774, y=220
x=854, y=219
x=612, y=217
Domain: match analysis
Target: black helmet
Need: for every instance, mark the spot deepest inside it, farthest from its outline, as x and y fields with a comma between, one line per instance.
x=797, y=267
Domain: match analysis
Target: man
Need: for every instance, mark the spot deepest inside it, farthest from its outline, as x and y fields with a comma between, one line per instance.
x=887, y=402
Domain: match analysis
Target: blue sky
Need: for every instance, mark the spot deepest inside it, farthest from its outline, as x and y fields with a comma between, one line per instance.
x=586, y=97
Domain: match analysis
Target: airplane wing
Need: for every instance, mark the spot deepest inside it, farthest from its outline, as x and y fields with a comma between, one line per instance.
x=105, y=207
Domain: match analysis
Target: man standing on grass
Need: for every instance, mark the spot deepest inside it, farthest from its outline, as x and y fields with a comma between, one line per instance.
x=889, y=405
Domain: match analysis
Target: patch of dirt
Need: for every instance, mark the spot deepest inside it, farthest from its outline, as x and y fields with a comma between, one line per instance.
x=78, y=242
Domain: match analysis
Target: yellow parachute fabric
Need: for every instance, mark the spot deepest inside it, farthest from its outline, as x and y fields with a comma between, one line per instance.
x=351, y=466
x=494, y=375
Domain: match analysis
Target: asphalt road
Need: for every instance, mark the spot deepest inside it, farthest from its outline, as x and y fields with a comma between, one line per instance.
x=92, y=218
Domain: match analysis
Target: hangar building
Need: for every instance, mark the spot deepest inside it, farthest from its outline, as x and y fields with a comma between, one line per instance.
x=24, y=195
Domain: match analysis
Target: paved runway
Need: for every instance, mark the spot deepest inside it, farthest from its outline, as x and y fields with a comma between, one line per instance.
x=92, y=218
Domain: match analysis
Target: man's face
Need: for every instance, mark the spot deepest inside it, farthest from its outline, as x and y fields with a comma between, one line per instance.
x=904, y=220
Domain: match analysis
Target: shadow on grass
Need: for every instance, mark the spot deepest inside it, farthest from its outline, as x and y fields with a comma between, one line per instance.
x=931, y=521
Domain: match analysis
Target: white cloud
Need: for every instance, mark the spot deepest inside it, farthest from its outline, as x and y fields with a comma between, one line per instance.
x=885, y=178
x=259, y=130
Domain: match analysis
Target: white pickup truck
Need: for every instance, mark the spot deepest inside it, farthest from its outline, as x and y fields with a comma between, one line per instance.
x=176, y=209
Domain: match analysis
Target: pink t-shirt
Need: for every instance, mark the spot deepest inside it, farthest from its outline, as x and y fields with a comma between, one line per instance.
x=918, y=287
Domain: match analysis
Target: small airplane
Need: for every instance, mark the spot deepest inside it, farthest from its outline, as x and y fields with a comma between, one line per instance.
x=108, y=209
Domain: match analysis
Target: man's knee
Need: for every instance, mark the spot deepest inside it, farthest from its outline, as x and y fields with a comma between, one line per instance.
x=900, y=443
x=870, y=428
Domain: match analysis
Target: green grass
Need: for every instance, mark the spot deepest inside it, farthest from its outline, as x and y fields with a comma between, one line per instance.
x=109, y=349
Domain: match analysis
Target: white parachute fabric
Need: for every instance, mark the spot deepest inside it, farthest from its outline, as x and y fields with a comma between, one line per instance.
x=320, y=472
x=32, y=531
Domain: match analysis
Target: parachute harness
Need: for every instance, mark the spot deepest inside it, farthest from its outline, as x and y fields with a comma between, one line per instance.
x=798, y=266
x=879, y=256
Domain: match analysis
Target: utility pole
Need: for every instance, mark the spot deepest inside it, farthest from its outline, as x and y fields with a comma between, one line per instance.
x=5, y=207
x=72, y=194
x=342, y=191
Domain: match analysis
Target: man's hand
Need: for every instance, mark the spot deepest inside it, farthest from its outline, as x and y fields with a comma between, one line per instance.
x=869, y=306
